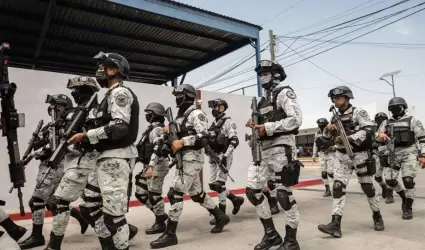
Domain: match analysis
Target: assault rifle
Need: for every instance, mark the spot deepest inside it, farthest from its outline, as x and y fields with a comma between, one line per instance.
x=255, y=137
x=391, y=148
x=26, y=158
x=173, y=130
x=10, y=121
x=216, y=159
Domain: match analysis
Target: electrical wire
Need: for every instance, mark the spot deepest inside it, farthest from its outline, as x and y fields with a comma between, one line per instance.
x=282, y=12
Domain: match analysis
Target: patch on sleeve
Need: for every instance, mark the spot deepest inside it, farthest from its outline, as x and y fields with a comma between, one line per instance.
x=158, y=132
x=201, y=117
x=419, y=124
x=290, y=94
x=233, y=125
x=363, y=113
x=121, y=100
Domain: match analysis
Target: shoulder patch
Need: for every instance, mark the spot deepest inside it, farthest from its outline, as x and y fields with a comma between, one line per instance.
x=363, y=113
x=291, y=94
x=419, y=124
x=233, y=125
x=201, y=117
x=121, y=100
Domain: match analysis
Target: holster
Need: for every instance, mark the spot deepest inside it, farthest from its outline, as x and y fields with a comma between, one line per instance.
x=290, y=174
x=370, y=164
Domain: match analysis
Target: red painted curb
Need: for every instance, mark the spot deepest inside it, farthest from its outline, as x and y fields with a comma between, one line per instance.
x=136, y=203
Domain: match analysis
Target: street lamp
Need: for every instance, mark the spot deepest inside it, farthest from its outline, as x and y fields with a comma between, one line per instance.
x=392, y=74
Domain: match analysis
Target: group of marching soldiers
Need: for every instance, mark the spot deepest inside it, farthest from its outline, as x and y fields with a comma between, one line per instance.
x=381, y=149
x=90, y=151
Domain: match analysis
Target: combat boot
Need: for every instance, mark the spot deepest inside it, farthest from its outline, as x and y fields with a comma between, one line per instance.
x=408, y=213
x=237, y=202
x=327, y=191
x=290, y=241
x=390, y=196
x=168, y=238
x=107, y=243
x=385, y=191
x=55, y=242
x=274, y=209
x=133, y=231
x=333, y=228
x=222, y=209
x=15, y=232
x=378, y=222
x=271, y=237
x=221, y=220
x=83, y=223
x=36, y=238
x=159, y=226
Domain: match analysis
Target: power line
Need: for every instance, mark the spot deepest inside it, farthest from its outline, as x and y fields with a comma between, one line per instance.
x=282, y=12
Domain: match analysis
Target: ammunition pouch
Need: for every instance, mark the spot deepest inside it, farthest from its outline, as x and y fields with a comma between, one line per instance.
x=370, y=165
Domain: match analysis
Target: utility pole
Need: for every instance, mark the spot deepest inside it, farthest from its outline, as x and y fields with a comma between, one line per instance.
x=272, y=44
x=392, y=74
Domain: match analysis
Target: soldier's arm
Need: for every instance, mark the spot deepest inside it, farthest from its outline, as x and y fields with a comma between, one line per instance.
x=156, y=137
x=315, y=153
x=199, y=121
x=326, y=132
x=42, y=139
x=288, y=101
x=121, y=100
x=418, y=128
x=230, y=128
x=366, y=126
x=382, y=129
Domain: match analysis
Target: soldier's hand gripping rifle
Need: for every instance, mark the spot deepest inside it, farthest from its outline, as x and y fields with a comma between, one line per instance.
x=10, y=121
x=391, y=148
x=343, y=135
x=26, y=158
x=216, y=159
x=255, y=136
x=78, y=120
x=173, y=130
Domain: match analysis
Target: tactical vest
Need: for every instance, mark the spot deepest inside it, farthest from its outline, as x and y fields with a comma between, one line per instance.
x=218, y=141
x=349, y=128
x=146, y=148
x=404, y=136
x=133, y=126
x=269, y=112
x=323, y=144
x=186, y=131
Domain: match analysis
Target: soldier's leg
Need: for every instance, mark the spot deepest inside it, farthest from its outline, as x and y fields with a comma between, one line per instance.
x=113, y=179
x=38, y=202
x=216, y=186
x=256, y=181
x=391, y=176
x=15, y=231
x=378, y=176
x=342, y=173
x=155, y=199
x=271, y=193
x=142, y=190
x=409, y=171
x=323, y=170
x=6, y=242
x=386, y=170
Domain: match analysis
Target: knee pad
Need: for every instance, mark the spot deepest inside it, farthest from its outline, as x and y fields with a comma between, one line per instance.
x=91, y=214
x=252, y=194
x=143, y=198
x=331, y=175
x=57, y=206
x=154, y=198
x=174, y=196
x=112, y=225
x=199, y=198
x=217, y=186
x=392, y=183
x=378, y=179
x=338, y=189
x=324, y=175
x=368, y=189
x=36, y=204
x=408, y=182
x=271, y=184
x=283, y=198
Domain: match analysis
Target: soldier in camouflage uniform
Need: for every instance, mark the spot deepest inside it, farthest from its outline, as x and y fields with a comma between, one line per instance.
x=223, y=140
x=193, y=134
x=280, y=118
x=60, y=108
x=324, y=149
x=359, y=129
x=407, y=132
x=114, y=138
x=14, y=232
x=150, y=180
x=381, y=157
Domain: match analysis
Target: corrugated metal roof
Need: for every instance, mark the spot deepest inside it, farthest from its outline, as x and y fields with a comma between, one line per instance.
x=65, y=39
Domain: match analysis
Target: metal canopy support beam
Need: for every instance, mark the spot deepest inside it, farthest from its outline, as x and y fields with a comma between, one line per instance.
x=174, y=82
x=167, y=8
x=257, y=60
x=44, y=29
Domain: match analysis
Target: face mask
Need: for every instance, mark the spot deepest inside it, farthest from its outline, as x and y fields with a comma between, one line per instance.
x=216, y=113
x=322, y=127
x=266, y=81
x=149, y=117
x=102, y=77
x=396, y=110
x=179, y=100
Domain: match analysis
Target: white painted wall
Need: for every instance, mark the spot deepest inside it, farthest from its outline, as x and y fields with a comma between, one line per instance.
x=33, y=86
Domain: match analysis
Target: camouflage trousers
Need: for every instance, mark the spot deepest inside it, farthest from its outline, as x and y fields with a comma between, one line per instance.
x=273, y=161
x=406, y=162
x=326, y=162
x=189, y=182
x=342, y=172
x=149, y=190
x=41, y=195
x=219, y=177
x=7, y=243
